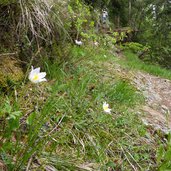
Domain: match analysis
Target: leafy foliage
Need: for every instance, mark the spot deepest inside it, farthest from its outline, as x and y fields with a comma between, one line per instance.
x=156, y=30
x=134, y=47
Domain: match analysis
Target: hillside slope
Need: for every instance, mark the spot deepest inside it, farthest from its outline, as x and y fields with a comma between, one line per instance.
x=61, y=124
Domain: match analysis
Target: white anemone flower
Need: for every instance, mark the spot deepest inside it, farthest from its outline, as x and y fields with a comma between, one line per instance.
x=78, y=42
x=36, y=76
x=106, y=108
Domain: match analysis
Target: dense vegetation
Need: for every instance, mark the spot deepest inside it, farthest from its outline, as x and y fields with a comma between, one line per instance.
x=152, y=21
x=60, y=124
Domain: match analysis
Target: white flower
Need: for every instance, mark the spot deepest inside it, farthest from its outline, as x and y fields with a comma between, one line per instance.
x=106, y=108
x=36, y=76
x=96, y=43
x=78, y=42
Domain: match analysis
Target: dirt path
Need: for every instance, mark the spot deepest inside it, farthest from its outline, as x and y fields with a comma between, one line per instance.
x=157, y=92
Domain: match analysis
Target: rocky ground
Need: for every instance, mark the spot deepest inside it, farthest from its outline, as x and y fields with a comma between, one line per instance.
x=157, y=91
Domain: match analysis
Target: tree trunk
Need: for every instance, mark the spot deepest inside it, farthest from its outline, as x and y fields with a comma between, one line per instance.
x=130, y=8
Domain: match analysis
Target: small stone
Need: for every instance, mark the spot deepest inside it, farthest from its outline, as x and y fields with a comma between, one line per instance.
x=164, y=108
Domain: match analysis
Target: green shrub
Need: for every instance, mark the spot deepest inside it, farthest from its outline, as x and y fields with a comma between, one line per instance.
x=135, y=47
x=80, y=17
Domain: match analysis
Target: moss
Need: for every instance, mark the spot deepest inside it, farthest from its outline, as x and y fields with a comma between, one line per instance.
x=10, y=71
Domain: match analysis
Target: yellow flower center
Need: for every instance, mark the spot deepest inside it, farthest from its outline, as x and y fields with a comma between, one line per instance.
x=36, y=77
x=105, y=107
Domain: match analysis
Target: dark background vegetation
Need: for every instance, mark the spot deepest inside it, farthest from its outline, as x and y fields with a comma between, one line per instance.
x=26, y=24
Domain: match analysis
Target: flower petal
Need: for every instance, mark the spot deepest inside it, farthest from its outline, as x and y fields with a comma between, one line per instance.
x=31, y=75
x=43, y=79
x=42, y=75
x=33, y=72
x=105, y=105
x=108, y=111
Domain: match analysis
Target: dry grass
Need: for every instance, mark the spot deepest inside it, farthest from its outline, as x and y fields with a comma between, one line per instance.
x=35, y=16
x=30, y=23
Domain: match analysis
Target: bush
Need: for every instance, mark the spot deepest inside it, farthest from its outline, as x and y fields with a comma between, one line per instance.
x=135, y=47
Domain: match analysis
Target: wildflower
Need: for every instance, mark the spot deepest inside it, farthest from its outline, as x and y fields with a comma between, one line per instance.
x=106, y=108
x=36, y=76
x=78, y=42
x=96, y=43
